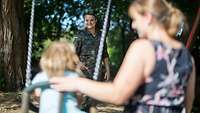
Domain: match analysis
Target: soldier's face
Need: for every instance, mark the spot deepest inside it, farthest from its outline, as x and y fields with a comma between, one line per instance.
x=90, y=21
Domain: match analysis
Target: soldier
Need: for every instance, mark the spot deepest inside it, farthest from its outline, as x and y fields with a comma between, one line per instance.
x=87, y=44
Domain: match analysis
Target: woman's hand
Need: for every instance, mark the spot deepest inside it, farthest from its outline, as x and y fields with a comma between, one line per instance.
x=64, y=83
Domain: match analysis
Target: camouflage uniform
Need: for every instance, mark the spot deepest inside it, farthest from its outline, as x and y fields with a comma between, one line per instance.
x=87, y=49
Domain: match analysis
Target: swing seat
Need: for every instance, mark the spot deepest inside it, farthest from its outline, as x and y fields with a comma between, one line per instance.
x=26, y=104
x=57, y=102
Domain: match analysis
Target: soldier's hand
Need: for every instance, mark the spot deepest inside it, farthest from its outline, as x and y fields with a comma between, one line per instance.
x=83, y=67
x=107, y=76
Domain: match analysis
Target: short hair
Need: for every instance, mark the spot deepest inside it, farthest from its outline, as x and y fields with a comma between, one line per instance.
x=90, y=12
x=59, y=57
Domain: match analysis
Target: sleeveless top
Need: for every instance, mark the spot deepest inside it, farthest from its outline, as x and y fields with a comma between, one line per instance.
x=164, y=89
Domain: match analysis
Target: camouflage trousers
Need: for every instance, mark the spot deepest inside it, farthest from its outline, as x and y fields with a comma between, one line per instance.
x=87, y=103
x=89, y=74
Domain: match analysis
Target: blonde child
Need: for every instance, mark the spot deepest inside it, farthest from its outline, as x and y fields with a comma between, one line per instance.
x=59, y=59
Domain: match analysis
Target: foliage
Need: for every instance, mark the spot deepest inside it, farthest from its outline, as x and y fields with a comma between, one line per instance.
x=43, y=44
x=39, y=46
x=57, y=18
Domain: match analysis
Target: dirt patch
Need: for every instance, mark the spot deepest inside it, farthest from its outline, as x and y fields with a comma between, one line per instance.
x=11, y=103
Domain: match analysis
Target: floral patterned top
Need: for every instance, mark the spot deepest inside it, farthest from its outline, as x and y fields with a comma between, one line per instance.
x=167, y=83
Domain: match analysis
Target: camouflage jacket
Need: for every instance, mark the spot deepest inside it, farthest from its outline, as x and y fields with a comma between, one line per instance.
x=87, y=49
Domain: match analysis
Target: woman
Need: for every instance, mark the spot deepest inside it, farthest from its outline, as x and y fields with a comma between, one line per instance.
x=87, y=44
x=157, y=66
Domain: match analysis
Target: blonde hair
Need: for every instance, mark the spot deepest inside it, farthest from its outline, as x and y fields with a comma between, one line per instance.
x=58, y=57
x=167, y=15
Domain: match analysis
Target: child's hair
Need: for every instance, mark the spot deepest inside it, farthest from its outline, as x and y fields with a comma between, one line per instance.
x=167, y=15
x=58, y=57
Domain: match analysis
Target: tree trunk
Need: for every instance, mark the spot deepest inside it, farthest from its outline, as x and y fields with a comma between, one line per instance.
x=12, y=43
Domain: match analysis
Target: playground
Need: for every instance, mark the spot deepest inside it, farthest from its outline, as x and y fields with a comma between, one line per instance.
x=38, y=23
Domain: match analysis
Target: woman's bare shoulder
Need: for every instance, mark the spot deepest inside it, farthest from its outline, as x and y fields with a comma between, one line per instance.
x=142, y=45
x=144, y=50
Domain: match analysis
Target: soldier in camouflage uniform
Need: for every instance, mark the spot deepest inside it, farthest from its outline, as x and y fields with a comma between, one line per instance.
x=87, y=44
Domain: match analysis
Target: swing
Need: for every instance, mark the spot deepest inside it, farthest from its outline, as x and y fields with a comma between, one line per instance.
x=30, y=88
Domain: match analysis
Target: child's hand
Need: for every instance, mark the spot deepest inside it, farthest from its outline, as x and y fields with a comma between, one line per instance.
x=64, y=83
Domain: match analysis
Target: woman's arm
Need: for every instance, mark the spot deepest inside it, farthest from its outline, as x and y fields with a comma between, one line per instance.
x=128, y=79
x=190, y=91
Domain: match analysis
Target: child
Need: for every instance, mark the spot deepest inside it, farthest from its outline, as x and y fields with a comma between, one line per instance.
x=59, y=59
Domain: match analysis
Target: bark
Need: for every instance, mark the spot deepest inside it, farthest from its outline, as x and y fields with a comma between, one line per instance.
x=12, y=43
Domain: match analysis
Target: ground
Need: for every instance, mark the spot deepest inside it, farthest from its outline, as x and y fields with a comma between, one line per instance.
x=11, y=103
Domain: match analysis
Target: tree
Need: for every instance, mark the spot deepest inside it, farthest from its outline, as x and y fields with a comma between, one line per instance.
x=12, y=43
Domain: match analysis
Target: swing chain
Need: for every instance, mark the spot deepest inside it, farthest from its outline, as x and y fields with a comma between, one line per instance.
x=28, y=65
x=103, y=35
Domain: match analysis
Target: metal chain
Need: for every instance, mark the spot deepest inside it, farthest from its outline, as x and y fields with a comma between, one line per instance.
x=103, y=35
x=28, y=63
